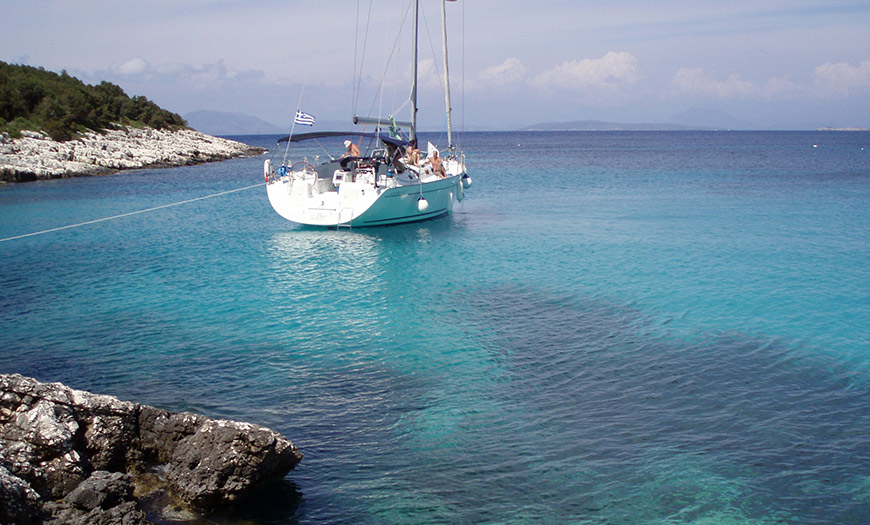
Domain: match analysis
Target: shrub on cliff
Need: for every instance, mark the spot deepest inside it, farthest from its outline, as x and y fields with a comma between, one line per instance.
x=62, y=105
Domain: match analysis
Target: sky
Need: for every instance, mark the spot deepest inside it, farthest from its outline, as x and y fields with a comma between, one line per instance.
x=760, y=64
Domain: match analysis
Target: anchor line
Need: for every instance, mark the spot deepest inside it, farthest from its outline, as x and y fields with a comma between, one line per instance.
x=131, y=213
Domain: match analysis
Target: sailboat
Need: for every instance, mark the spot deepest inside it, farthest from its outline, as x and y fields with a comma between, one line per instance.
x=391, y=183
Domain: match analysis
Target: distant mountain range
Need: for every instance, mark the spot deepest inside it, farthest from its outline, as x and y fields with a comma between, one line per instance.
x=597, y=125
x=222, y=123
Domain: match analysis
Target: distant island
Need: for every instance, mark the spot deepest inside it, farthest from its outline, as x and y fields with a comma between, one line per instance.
x=597, y=125
x=228, y=124
x=225, y=123
x=53, y=125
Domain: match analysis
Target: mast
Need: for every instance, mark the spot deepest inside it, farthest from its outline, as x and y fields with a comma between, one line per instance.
x=446, y=76
x=414, y=75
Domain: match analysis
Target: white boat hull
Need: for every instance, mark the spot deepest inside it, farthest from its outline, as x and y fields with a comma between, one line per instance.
x=359, y=204
x=389, y=184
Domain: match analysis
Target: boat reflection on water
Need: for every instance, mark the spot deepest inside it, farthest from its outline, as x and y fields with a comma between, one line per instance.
x=302, y=260
x=337, y=299
x=345, y=269
x=365, y=253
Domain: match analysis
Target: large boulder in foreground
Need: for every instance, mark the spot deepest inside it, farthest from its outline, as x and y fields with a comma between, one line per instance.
x=86, y=452
x=213, y=462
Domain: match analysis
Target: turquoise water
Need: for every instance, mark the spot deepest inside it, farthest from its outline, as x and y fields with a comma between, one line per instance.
x=611, y=328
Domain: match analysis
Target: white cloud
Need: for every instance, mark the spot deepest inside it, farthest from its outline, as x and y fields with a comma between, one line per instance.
x=696, y=80
x=780, y=86
x=189, y=75
x=843, y=78
x=608, y=72
x=427, y=72
x=511, y=71
x=699, y=82
x=134, y=66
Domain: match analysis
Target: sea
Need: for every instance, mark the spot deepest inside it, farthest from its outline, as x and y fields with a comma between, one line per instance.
x=612, y=327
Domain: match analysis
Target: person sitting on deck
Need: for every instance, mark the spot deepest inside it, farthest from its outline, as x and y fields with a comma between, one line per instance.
x=413, y=154
x=437, y=166
x=396, y=158
x=352, y=149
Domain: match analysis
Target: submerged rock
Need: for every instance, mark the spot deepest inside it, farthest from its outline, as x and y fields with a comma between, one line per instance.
x=35, y=156
x=88, y=451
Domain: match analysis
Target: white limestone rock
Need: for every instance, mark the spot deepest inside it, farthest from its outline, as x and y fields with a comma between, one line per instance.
x=35, y=156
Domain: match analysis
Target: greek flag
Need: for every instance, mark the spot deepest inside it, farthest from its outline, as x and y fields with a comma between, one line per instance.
x=304, y=118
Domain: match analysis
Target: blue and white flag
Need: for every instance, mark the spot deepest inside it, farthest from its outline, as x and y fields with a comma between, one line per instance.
x=304, y=118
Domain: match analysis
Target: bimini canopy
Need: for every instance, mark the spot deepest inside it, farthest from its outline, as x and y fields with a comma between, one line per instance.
x=387, y=139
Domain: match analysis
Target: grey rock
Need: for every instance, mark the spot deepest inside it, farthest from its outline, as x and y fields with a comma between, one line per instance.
x=43, y=433
x=83, y=447
x=214, y=462
x=19, y=503
x=102, y=489
x=223, y=459
x=123, y=514
x=107, y=440
x=63, y=473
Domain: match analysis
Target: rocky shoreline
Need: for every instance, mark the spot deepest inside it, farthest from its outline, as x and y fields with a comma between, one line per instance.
x=69, y=456
x=36, y=157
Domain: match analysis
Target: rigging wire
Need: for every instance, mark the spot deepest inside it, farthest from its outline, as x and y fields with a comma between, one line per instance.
x=355, y=46
x=462, y=90
x=357, y=80
x=397, y=74
x=435, y=59
x=380, y=87
x=298, y=109
x=131, y=213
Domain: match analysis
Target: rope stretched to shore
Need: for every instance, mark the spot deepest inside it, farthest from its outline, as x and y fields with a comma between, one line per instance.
x=131, y=213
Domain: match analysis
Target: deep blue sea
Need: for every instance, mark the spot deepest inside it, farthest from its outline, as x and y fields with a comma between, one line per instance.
x=613, y=327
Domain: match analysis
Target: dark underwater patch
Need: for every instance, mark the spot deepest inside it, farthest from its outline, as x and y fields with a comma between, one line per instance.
x=631, y=403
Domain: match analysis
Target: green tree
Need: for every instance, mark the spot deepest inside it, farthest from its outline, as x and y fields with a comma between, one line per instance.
x=62, y=105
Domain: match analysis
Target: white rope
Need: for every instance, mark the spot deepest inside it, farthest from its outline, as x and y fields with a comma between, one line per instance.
x=130, y=213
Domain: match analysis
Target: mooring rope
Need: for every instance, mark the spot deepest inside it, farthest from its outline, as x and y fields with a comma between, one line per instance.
x=131, y=213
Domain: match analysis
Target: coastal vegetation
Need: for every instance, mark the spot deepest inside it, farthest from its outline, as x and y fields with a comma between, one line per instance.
x=62, y=106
